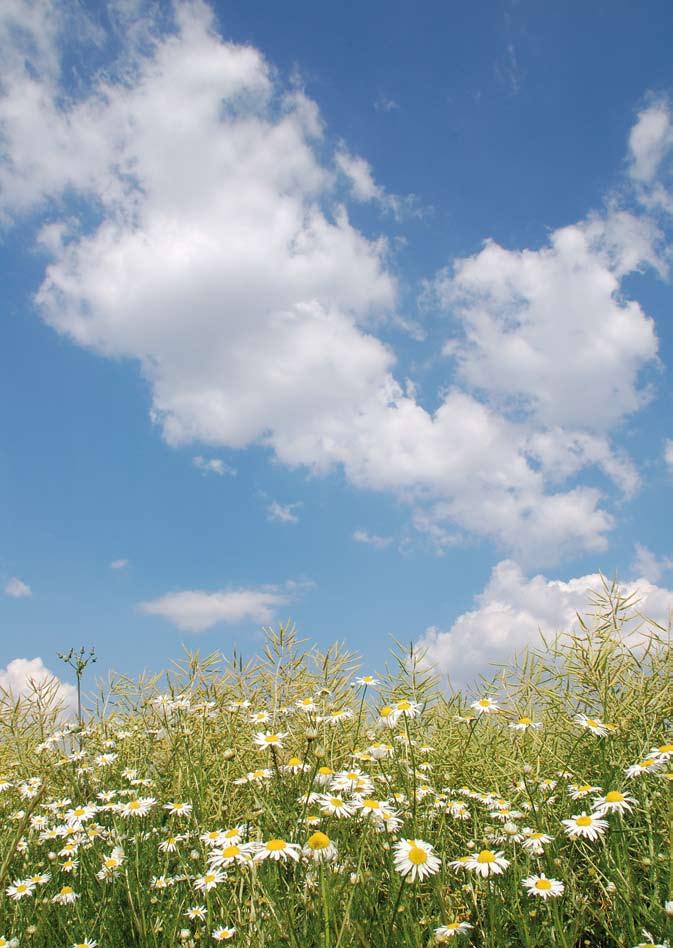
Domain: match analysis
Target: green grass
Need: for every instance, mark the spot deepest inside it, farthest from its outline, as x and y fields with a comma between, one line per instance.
x=196, y=747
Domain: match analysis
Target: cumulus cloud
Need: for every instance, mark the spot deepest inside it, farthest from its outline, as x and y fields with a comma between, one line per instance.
x=17, y=589
x=364, y=188
x=549, y=331
x=283, y=513
x=372, y=539
x=511, y=612
x=213, y=466
x=219, y=257
x=198, y=610
x=25, y=677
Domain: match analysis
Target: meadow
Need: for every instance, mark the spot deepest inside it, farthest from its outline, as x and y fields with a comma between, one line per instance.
x=297, y=800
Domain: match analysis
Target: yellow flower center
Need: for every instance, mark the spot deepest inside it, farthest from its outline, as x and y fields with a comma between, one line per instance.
x=525, y=721
x=403, y=705
x=269, y=738
x=293, y=761
x=583, y=821
x=417, y=856
x=665, y=748
x=536, y=836
x=646, y=763
x=276, y=845
x=592, y=722
x=370, y=804
x=111, y=863
x=80, y=811
x=231, y=851
x=484, y=702
x=386, y=711
x=614, y=796
x=318, y=841
x=209, y=877
x=486, y=856
x=325, y=771
x=228, y=835
x=67, y=890
x=22, y=887
x=543, y=885
x=134, y=805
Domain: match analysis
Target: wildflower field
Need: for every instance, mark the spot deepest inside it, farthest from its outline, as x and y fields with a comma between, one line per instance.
x=296, y=800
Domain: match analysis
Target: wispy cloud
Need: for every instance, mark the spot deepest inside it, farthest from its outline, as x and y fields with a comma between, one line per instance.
x=17, y=589
x=385, y=103
x=213, y=466
x=119, y=564
x=283, y=513
x=647, y=565
x=372, y=539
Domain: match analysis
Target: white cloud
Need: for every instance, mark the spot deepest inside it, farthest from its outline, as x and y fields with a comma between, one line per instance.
x=646, y=565
x=23, y=676
x=372, y=539
x=17, y=589
x=119, y=564
x=549, y=332
x=222, y=262
x=511, y=612
x=213, y=466
x=650, y=152
x=364, y=188
x=668, y=453
x=283, y=513
x=197, y=610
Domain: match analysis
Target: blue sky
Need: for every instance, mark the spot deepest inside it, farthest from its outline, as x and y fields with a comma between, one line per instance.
x=358, y=316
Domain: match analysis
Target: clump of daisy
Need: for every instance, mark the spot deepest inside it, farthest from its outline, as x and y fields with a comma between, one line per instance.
x=416, y=859
x=265, y=739
x=223, y=934
x=485, y=706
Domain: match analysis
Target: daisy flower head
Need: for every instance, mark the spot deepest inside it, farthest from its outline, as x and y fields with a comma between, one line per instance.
x=367, y=681
x=178, y=809
x=336, y=806
x=295, y=765
x=535, y=842
x=579, y=790
x=614, y=801
x=66, y=896
x=260, y=717
x=525, y=723
x=8, y=942
x=141, y=806
x=320, y=848
x=595, y=725
x=278, y=850
x=407, y=709
x=644, y=766
x=223, y=934
x=209, y=880
x=307, y=705
x=268, y=739
x=87, y=943
x=586, y=826
x=323, y=775
x=487, y=863
x=444, y=932
x=387, y=716
x=230, y=854
x=20, y=889
x=416, y=859
x=542, y=887
x=196, y=912
x=485, y=706
x=664, y=751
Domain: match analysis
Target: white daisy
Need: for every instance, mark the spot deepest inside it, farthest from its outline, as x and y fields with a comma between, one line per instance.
x=416, y=859
x=542, y=887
